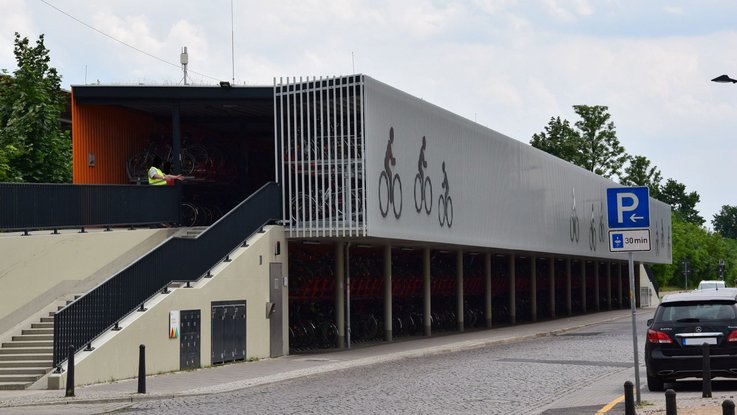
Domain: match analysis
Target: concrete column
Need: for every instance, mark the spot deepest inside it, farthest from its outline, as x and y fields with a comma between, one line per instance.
x=487, y=288
x=569, y=307
x=459, y=288
x=426, y=292
x=512, y=289
x=533, y=287
x=583, y=286
x=619, y=284
x=597, y=265
x=609, y=284
x=340, y=292
x=551, y=272
x=388, y=292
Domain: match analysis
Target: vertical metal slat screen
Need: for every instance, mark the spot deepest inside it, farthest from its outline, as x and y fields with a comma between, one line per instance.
x=320, y=129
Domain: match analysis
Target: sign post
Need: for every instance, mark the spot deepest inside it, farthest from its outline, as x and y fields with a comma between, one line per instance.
x=628, y=211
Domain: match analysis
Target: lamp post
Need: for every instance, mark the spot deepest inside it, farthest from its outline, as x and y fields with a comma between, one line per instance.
x=724, y=79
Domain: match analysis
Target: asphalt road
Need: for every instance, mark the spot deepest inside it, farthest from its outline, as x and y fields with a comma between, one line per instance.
x=573, y=373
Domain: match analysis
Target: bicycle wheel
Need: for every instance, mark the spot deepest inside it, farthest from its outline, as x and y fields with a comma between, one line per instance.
x=441, y=207
x=418, y=193
x=449, y=211
x=188, y=214
x=397, y=184
x=384, y=195
x=428, y=195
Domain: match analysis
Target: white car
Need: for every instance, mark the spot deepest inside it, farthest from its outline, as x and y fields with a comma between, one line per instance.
x=711, y=285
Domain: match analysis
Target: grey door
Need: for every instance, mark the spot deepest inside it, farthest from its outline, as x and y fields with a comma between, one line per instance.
x=277, y=315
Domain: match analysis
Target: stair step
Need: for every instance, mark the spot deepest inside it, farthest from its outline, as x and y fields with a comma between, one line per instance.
x=19, y=378
x=25, y=350
x=38, y=331
x=25, y=363
x=24, y=370
x=19, y=344
x=42, y=325
x=47, y=319
x=7, y=386
x=47, y=357
x=33, y=337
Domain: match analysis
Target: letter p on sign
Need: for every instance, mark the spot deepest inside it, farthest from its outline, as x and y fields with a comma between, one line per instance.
x=622, y=207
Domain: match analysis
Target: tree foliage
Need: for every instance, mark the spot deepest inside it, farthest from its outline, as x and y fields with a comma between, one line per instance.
x=725, y=222
x=638, y=172
x=32, y=144
x=682, y=202
x=702, y=249
x=591, y=143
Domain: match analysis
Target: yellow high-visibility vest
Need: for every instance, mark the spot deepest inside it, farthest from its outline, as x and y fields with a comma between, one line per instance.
x=153, y=181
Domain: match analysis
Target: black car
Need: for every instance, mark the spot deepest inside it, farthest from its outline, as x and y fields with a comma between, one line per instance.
x=683, y=323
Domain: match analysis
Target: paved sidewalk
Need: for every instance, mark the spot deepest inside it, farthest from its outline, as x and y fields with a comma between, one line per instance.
x=242, y=375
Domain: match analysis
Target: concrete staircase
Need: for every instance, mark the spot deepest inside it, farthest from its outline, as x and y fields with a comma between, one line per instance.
x=28, y=356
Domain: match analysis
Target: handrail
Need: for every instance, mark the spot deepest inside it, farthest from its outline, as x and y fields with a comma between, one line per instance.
x=29, y=206
x=177, y=259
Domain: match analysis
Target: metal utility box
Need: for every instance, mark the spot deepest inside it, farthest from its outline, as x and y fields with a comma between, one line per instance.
x=228, y=331
x=189, y=342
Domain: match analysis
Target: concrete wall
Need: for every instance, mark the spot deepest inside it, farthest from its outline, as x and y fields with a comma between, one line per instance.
x=245, y=278
x=38, y=269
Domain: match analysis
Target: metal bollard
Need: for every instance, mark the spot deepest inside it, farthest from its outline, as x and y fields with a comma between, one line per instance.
x=141, y=369
x=670, y=402
x=70, y=372
x=706, y=380
x=629, y=398
x=727, y=407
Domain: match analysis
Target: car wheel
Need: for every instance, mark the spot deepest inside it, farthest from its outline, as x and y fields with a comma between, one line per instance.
x=655, y=384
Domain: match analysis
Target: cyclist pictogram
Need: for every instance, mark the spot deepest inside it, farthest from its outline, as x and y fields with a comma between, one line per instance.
x=445, y=203
x=423, y=185
x=592, y=230
x=574, y=219
x=602, y=230
x=390, y=186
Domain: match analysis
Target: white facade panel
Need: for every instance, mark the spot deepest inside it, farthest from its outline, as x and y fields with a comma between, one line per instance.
x=500, y=193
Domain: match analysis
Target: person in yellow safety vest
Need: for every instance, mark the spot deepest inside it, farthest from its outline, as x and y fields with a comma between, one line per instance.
x=156, y=177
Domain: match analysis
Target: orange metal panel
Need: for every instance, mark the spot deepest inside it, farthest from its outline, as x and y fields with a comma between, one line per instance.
x=103, y=138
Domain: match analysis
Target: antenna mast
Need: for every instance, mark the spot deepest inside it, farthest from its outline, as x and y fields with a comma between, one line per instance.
x=184, y=60
x=232, y=42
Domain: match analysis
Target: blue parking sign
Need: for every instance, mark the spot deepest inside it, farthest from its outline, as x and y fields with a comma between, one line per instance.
x=628, y=207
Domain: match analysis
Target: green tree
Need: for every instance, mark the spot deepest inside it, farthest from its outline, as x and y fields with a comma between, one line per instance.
x=560, y=140
x=34, y=147
x=725, y=222
x=683, y=203
x=638, y=172
x=591, y=143
x=702, y=249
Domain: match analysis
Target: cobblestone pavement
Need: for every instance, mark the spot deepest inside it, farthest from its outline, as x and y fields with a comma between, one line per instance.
x=517, y=378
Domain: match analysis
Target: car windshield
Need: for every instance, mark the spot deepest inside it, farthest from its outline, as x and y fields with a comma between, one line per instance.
x=697, y=312
x=707, y=285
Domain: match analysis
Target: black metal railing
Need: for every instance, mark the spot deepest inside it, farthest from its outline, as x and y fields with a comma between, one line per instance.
x=177, y=259
x=29, y=206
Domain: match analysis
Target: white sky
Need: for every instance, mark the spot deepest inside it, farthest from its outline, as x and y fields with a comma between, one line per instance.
x=509, y=64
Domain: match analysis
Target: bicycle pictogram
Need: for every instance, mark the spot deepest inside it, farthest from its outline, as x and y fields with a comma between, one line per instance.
x=445, y=203
x=592, y=230
x=574, y=219
x=423, y=185
x=390, y=186
x=602, y=231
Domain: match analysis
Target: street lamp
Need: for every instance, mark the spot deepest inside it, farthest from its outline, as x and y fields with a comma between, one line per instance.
x=724, y=79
